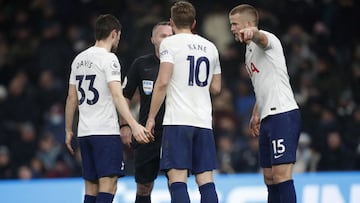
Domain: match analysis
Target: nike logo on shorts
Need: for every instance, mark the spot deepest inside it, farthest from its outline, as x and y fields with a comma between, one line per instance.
x=278, y=156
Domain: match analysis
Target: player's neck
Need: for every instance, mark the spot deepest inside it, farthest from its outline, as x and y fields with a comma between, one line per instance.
x=103, y=44
x=182, y=31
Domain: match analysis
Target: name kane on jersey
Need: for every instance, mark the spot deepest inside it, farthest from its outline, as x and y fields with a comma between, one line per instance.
x=198, y=47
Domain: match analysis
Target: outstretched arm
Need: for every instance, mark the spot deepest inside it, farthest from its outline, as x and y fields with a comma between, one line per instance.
x=253, y=34
x=159, y=93
x=140, y=133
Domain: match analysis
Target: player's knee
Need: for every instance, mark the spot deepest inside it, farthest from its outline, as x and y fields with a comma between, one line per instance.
x=282, y=173
x=108, y=184
x=268, y=176
x=144, y=189
x=268, y=179
x=203, y=178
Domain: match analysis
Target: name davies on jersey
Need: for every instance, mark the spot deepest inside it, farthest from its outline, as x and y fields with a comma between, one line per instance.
x=198, y=47
x=84, y=63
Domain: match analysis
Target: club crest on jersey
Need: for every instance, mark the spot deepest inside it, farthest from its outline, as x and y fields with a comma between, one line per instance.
x=147, y=86
x=252, y=69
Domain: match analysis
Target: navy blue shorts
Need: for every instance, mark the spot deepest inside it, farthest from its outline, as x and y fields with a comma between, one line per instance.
x=188, y=147
x=102, y=156
x=279, y=137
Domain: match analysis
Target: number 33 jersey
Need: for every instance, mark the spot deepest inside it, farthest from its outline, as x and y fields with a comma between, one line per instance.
x=195, y=60
x=91, y=71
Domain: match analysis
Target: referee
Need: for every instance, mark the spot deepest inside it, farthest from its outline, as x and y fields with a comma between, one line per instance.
x=142, y=76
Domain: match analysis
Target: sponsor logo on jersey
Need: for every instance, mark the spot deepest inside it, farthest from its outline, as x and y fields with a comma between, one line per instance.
x=115, y=65
x=164, y=52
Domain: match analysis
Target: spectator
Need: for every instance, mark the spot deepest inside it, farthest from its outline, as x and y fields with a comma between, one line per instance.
x=335, y=156
x=6, y=168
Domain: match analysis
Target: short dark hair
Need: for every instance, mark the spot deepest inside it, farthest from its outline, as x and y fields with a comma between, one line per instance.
x=159, y=24
x=183, y=14
x=104, y=24
x=246, y=9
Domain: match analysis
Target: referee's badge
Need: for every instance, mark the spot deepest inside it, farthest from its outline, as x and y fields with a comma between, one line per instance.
x=147, y=86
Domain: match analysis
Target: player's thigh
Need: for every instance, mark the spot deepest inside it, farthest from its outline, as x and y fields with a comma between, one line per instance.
x=204, y=151
x=279, y=135
x=176, y=148
x=108, y=155
x=88, y=163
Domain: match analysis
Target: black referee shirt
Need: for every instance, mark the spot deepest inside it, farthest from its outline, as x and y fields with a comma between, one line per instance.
x=142, y=74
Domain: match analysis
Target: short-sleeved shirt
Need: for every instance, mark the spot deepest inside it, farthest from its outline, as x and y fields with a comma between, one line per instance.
x=142, y=75
x=269, y=76
x=91, y=71
x=195, y=60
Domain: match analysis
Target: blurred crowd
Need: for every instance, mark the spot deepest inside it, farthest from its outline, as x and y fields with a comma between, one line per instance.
x=39, y=39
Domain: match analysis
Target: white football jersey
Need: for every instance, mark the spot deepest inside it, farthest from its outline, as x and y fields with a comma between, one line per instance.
x=91, y=71
x=195, y=61
x=269, y=76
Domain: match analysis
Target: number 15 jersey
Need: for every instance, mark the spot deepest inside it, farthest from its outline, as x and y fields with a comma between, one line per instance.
x=91, y=71
x=195, y=60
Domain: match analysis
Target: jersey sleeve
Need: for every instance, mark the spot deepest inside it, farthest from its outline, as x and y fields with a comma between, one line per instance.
x=132, y=78
x=166, y=54
x=112, y=69
x=217, y=69
x=271, y=40
x=72, y=79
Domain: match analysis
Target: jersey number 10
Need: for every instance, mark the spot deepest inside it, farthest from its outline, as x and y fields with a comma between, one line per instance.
x=195, y=70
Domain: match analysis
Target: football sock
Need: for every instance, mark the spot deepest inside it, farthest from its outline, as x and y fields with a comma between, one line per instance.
x=142, y=199
x=208, y=193
x=104, y=197
x=179, y=193
x=89, y=199
x=287, y=192
x=273, y=194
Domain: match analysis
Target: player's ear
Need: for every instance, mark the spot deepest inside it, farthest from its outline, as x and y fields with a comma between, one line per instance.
x=193, y=25
x=114, y=33
x=172, y=24
x=152, y=40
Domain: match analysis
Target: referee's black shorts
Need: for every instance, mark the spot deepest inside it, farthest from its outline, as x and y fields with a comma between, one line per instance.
x=147, y=159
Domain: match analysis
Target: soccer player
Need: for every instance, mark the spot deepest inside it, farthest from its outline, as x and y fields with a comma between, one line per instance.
x=189, y=72
x=95, y=90
x=142, y=76
x=276, y=117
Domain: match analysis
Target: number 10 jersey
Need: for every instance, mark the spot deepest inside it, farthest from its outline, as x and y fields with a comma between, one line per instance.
x=195, y=60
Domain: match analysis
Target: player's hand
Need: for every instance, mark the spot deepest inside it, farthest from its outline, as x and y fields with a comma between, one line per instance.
x=68, y=139
x=247, y=34
x=141, y=134
x=125, y=134
x=254, y=126
x=150, y=125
